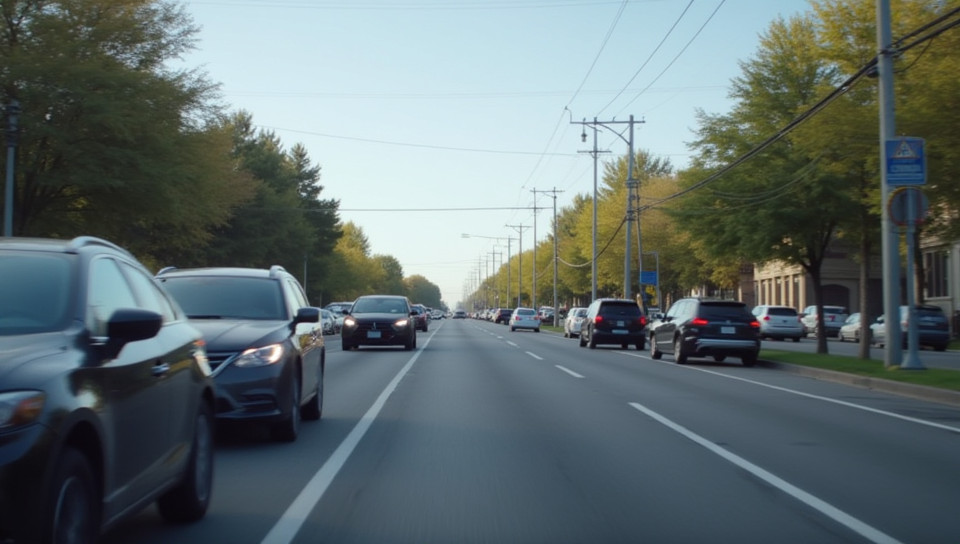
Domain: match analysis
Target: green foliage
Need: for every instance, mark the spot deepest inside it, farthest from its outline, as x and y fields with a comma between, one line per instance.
x=421, y=291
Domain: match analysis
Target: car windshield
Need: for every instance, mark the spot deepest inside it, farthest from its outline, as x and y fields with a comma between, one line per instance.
x=629, y=310
x=35, y=293
x=526, y=311
x=782, y=311
x=379, y=305
x=225, y=297
x=725, y=311
x=834, y=310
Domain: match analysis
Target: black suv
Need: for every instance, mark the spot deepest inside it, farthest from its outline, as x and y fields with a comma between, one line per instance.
x=379, y=320
x=613, y=321
x=698, y=327
x=106, y=401
x=264, y=341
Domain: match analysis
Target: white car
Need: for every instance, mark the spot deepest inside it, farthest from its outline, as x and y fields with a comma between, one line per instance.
x=779, y=322
x=524, y=318
x=571, y=325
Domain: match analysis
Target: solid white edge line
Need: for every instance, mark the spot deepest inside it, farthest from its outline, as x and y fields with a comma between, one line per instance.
x=299, y=510
x=834, y=513
x=568, y=371
x=534, y=355
x=816, y=397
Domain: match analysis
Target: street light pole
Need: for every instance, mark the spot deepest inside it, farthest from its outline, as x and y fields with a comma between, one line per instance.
x=519, y=228
x=13, y=116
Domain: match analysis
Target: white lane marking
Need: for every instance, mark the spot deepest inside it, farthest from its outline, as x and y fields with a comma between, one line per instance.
x=534, y=355
x=509, y=343
x=812, y=396
x=568, y=371
x=834, y=513
x=297, y=513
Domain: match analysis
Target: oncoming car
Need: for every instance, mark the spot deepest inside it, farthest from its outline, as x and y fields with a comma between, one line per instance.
x=379, y=320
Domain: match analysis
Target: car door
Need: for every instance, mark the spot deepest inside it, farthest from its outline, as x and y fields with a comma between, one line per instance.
x=663, y=333
x=135, y=387
x=307, y=337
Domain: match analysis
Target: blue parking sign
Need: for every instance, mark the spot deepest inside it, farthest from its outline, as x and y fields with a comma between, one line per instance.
x=906, y=162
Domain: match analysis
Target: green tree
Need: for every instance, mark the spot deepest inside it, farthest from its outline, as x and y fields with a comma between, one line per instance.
x=422, y=291
x=112, y=141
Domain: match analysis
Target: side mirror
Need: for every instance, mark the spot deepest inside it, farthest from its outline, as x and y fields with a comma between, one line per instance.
x=130, y=325
x=307, y=314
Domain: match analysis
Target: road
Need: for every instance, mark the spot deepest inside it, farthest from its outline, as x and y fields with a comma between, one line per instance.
x=483, y=435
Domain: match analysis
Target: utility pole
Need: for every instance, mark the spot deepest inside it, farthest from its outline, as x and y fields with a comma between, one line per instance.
x=594, y=153
x=13, y=115
x=631, y=186
x=553, y=193
x=533, y=291
x=893, y=354
x=519, y=228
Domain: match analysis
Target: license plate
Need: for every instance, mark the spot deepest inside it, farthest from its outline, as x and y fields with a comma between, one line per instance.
x=373, y=334
x=620, y=331
x=728, y=330
x=621, y=324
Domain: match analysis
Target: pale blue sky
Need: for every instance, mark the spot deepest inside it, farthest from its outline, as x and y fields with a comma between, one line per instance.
x=440, y=105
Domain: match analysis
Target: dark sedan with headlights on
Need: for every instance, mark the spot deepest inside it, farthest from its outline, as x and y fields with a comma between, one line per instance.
x=379, y=320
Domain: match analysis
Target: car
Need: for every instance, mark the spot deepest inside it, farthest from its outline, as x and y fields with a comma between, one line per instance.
x=524, y=318
x=850, y=330
x=545, y=314
x=328, y=322
x=702, y=327
x=573, y=321
x=614, y=321
x=106, y=400
x=420, y=318
x=338, y=309
x=933, y=328
x=459, y=314
x=833, y=318
x=779, y=322
x=503, y=315
x=264, y=341
x=379, y=320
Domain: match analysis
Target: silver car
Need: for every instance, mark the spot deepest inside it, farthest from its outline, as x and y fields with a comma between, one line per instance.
x=779, y=322
x=573, y=321
x=524, y=318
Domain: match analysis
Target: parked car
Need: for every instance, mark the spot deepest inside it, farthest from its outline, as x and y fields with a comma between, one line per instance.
x=614, y=321
x=379, y=320
x=833, y=318
x=779, y=322
x=503, y=315
x=264, y=341
x=328, y=322
x=850, y=330
x=338, y=309
x=573, y=321
x=699, y=327
x=106, y=401
x=420, y=318
x=933, y=329
x=524, y=318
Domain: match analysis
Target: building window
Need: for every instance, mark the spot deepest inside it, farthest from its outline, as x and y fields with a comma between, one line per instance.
x=935, y=265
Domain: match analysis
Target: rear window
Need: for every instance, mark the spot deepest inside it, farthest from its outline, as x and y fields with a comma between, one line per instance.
x=620, y=309
x=834, y=310
x=931, y=314
x=724, y=311
x=526, y=312
x=782, y=311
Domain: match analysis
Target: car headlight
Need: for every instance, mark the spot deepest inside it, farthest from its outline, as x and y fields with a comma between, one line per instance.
x=267, y=355
x=20, y=408
x=349, y=322
x=401, y=323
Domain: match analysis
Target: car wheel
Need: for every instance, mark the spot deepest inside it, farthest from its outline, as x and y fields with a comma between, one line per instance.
x=288, y=429
x=749, y=360
x=593, y=342
x=411, y=344
x=654, y=352
x=840, y=337
x=796, y=338
x=582, y=341
x=189, y=500
x=536, y=330
x=678, y=355
x=513, y=329
x=313, y=410
x=73, y=510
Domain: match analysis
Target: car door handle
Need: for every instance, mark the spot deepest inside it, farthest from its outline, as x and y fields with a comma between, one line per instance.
x=159, y=369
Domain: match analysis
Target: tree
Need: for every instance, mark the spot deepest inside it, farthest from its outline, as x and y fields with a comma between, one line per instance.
x=112, y=142
x=422, y=291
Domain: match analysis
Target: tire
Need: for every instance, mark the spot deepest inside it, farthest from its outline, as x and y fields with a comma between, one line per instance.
x=592, y=344
x=623, y=345
x=190, y=499
x=796, y=338
x=654, y=352
x=536, y=330
x=583, y=342
x=513, y=329
x=749, y=360
x=566, y=334
x=73, y=504
x=678, y=355
x=411, y=344
x=288, y=429
x=313, y=410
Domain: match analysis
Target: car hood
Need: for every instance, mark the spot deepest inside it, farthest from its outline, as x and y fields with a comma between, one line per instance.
x=233, y=335
x=380, y=317
x=18, y=351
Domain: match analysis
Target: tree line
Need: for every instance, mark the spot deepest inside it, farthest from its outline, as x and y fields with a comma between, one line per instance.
x=112, y=142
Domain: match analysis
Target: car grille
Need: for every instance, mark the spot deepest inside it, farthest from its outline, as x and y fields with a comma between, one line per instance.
x=217, y=359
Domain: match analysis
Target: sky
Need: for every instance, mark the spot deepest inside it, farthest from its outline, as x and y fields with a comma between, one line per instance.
x=435, y=119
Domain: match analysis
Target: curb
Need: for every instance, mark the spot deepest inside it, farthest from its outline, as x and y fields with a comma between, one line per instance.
x=922, y=392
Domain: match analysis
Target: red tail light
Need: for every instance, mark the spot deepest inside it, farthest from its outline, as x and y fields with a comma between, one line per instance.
x=643, y=321
x=597, y=320
x=699, y=322
x=754, y=324
x=766, y=318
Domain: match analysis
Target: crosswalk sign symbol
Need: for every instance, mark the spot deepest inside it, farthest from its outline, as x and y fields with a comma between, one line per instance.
x=904, y=151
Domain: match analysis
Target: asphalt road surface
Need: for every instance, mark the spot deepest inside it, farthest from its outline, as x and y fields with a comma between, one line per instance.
x=487, y=435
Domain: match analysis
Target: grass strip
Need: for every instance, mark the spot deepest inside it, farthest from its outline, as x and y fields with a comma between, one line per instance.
x=932, y=377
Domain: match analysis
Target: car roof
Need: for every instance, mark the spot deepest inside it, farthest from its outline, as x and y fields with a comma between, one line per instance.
x=274, y=271
x=73, y=245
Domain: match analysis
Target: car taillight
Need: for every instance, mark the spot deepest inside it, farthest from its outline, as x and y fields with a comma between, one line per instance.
x=643, y=321
x=754, y=324
x=598, y=320
x=699, y=322
x=766, y=318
